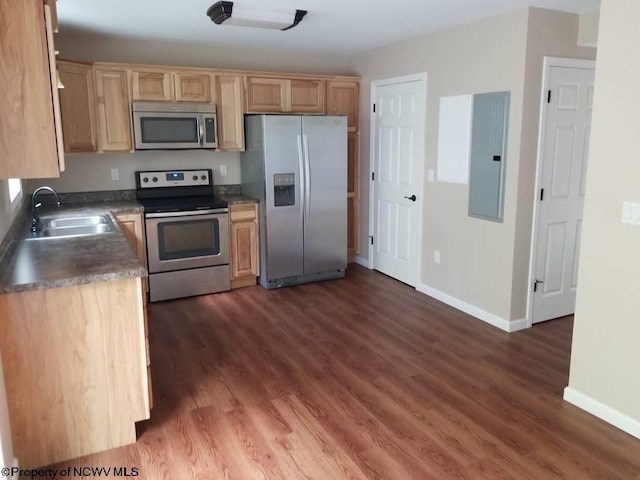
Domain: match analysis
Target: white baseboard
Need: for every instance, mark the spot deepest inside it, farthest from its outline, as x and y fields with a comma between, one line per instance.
x=362, y=261
x=602, y=411
x=490, y=318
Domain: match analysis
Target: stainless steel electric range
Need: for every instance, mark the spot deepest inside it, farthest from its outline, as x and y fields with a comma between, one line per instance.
x=187, y=230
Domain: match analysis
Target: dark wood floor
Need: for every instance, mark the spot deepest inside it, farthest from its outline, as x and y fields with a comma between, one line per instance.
x=361, y=378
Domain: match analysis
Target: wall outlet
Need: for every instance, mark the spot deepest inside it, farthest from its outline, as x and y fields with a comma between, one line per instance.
x=115, y=174
x=430, y=175
x=436, y=256
x=223, y=171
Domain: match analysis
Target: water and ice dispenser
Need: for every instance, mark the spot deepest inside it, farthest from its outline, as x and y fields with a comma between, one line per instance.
x=284, y=189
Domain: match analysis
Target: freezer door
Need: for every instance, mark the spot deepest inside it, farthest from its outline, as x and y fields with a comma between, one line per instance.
x=325, y=202
x=284, y=246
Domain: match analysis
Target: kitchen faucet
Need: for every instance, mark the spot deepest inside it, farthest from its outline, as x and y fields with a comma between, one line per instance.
x=36, y=226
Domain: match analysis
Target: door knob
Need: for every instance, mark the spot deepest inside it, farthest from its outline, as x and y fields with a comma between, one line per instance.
x=413, y=198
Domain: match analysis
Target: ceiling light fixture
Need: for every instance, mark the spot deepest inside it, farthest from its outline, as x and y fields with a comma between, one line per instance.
x=247, y=16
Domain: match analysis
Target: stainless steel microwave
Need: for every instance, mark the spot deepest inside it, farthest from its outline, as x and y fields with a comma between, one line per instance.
x=168, y=126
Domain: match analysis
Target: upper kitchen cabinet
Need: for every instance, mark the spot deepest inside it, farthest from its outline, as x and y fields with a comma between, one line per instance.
x=284, y=95
x=193, y=87
x=266, y=95
x=229, y=112
x=152, y=86
x=307, y=96
x=171, y=85
x=30, y=124
x=77, y=104
x=343, y=99
x=114, y=114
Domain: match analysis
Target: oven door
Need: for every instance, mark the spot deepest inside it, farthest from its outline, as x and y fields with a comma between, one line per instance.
x=183, y=240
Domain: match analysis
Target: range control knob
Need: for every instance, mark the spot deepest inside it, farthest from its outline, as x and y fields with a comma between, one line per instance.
x=145, y=179
x=155, y=179
x=195, y=177
x=203, y=178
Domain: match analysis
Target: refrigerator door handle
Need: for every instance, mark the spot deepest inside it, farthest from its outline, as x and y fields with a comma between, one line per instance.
x=301, y=177
x=307, y=179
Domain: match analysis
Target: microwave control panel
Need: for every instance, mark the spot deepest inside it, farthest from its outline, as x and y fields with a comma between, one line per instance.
x=175, y=178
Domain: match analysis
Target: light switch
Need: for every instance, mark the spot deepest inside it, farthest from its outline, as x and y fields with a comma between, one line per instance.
x=430, y=175
x=115, y=174
x=631, y=213
x=223, y=170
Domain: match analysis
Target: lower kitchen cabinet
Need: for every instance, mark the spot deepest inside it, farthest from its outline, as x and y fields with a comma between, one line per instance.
x=75, y=369
x=245, y=260
x=132, y=227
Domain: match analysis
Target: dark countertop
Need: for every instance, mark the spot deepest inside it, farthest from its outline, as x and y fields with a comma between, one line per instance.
x=43, y=264
x=237, y=199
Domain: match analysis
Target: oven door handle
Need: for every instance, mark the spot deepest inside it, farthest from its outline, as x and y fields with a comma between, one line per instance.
x=192, y=213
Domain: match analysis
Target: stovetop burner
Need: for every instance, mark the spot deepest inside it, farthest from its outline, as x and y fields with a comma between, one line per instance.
x=177, y=191
x=182, y=204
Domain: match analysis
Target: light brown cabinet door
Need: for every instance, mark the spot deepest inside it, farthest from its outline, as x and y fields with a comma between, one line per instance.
x=352, y=227
x=343, y=99
x=267, y=95
x=190, y=87
x=28, y=137
x=308, y=96
x=77, y=104
x=230, y=113
x=152, y=86
x=132, y=227
x=244, y=245
x=114, y=118
x=353, y=161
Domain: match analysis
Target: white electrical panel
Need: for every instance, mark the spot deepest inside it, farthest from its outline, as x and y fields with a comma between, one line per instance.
x=631, y=213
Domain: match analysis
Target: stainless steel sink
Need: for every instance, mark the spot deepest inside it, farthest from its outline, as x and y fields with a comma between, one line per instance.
x=73, y=226
x=69, y=222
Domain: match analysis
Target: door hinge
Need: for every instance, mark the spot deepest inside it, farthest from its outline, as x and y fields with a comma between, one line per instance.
x=549, y=96
x=374, y=108
x=535, y=285
x=371, y=239
x=373, y=176
x=541, y=194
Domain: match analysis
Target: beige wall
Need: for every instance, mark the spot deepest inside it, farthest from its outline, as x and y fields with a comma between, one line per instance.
x=588, y=32
x=485, y=56
x=606, y=340
x=92, y=172
x=484, y=264
x=117, y=49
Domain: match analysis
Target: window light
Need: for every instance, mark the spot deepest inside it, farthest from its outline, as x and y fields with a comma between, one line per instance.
x=15, y=188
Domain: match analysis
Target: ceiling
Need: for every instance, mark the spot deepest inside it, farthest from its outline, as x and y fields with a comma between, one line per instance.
x=341, y=27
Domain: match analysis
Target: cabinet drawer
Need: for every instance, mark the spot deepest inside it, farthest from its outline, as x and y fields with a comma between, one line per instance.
x=240, y=213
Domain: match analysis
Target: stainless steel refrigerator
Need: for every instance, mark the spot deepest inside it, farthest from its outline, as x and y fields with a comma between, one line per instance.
x=297, y=167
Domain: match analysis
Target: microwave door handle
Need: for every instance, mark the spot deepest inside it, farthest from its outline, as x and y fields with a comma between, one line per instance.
x=201, y=130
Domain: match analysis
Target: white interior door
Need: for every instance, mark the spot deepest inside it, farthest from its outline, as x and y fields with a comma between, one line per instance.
x=565, y=151
x=398, y=146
